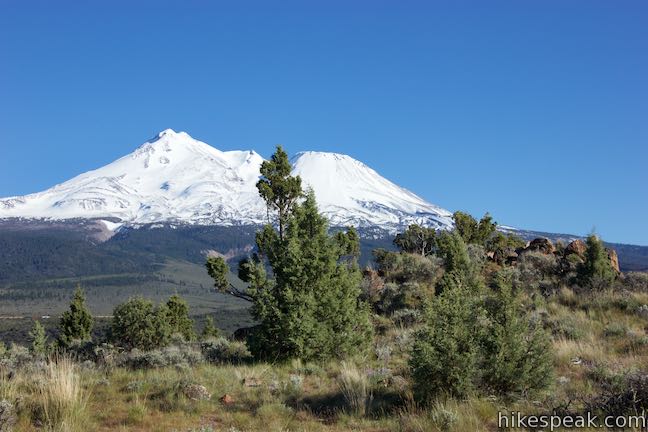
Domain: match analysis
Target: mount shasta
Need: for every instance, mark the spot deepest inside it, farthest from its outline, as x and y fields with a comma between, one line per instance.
x=174, y=178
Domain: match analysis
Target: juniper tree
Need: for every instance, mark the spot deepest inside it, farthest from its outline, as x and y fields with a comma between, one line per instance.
x=516, y=350
x=209, y=330
x=178, y=317
x=278, y=188
x=310, y=307
x=417, y=239
x=444, y=355
x=137, y=324
x=596, y=271
x=38, y=339
x=76, y=323
x=472, y=231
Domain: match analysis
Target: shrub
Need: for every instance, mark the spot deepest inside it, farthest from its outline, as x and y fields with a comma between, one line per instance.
x=209, y=330
x=407, y=317
x=178, y=356
x=615, y=330
x=635, y=281
x=221, y=350
x=136, y=324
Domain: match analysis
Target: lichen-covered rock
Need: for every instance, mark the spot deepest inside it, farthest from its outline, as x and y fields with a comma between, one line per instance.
x=196, y=392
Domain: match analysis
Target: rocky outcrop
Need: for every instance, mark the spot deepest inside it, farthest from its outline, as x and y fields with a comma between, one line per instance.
x=614, y=260
x=542, y=245
x=577, y=247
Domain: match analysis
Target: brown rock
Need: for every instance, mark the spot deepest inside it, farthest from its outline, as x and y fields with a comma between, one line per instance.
x=614, y=260
x=541, y=244
x=226, y=399
x=577, y=247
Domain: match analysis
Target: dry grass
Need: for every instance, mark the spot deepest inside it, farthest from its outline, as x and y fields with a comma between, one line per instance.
x=355, y=387
x=60, y=399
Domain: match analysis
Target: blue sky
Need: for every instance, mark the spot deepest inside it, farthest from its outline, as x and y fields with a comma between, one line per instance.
x=536, y=111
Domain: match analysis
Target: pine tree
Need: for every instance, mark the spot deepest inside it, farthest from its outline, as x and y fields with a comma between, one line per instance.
x=516, y=351
x=178, y=317
x=76, y=323
x=210, y=329
x=38, y=339
x=596, y=271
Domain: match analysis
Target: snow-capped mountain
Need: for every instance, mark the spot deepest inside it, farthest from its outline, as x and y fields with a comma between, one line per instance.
x=174, y=178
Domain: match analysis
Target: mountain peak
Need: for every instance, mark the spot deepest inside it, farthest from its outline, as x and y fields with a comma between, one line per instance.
x=176, y=178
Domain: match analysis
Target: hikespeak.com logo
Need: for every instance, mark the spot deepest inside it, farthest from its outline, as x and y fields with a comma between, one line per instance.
x=518, y=420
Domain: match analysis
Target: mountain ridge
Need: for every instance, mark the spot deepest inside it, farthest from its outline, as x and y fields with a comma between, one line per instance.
x=176, y=178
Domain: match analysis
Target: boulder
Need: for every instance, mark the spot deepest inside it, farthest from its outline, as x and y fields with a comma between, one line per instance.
x=196, y=392
x=541, y=244
x=226, y=399
x=577, y=247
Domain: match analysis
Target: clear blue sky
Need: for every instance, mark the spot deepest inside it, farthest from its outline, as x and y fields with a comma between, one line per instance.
x=536, y=111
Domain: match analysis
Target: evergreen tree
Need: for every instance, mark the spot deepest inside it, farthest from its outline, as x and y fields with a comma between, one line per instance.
x=310, y=307
x=417, y=239
x=444, y=355
x=76, y=323
x=278, y=188
x=210, y=329
x=178, y=317
x=472, y=231
x=596, y=271
x=516, y=351
x=137, y=324
x=38, y=339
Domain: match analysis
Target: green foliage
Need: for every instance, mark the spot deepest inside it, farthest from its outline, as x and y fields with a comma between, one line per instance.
x=444, y=355
x=209, y=330
x=76, y=323
x=454, y=253
x=217, y=269
x=278, y=188
x=38, y=339
x=311, y=308
x=220, y=350
x=417, y=239
x=472, y=231
x=596, y=271
x=502, y=245
x=516, y=352
x=177, y=317
x=137, y=324
x=406, y=267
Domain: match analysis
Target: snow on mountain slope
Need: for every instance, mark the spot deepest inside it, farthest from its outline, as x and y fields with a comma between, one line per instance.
x=174, y=178
x=351, y=193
